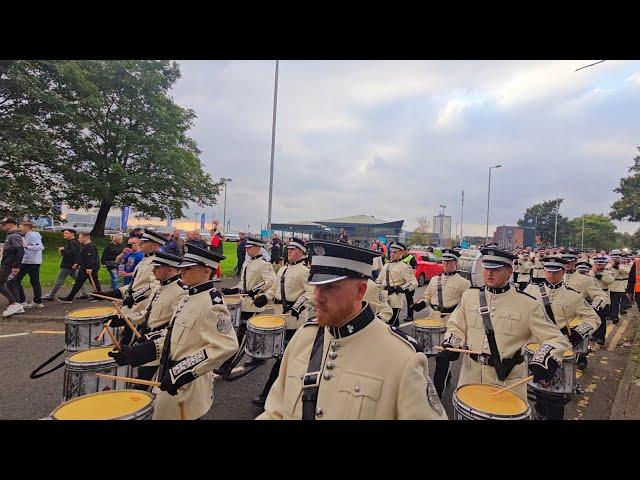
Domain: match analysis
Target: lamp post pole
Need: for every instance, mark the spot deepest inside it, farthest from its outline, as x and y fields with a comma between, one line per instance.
x=486, y=238
x=273, y=143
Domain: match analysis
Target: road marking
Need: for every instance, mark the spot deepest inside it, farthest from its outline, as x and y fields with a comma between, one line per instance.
x=609, y=329
x=621, y=329
x=50, y=332
x=14, y=335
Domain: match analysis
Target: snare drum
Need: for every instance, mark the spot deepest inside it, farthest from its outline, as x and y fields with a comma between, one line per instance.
x=581, y=348
x=82, y=326
x=564, y=380
x=476, y=402
x=80, y=373
x=234, y=304
x=265, y=336
x=429, y=333
x=113, y=405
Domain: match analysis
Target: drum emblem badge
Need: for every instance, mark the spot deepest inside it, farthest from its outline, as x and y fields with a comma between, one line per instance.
x=432, y=397
x=224, y=324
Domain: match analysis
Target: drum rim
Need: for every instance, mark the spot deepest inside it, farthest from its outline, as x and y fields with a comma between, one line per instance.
x=75, y=362
x=66, y=315
x=455, y=400
x=255, y=327
x=109, y=392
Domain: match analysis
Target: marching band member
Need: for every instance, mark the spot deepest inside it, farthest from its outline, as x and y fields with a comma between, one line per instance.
x=199, y=338
x=617, y=289
x=443, y=295
x=603, y=279
x=348, y=364
x=378, y=300
x=499, y=320
x=524, y=277
x=397, y=277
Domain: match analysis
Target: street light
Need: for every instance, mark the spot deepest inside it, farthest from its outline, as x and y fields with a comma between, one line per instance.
x=486, y=239
x=555, y=228
x=273, y=143
x=224, y=218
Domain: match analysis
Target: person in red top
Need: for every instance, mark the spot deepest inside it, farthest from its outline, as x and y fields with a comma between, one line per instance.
x=217, y=245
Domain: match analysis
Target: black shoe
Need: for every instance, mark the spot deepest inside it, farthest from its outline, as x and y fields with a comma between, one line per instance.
x=615, y=321
x=600, y=341
x=582, y=363
x=259, y=401
x=64, y=299
x=84, y=297
x=48, y=298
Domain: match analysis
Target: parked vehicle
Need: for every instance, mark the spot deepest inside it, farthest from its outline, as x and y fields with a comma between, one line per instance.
x=232, y=237
x=428, y=266
x=79, y=227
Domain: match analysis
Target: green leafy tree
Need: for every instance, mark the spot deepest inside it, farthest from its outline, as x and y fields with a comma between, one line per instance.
x=599, y=232
x=628, y=207
x=421, y=234
x=27, y=148
x=545, y=213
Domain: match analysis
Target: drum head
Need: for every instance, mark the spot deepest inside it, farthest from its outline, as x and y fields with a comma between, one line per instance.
x=267, y=322
x=429, y=323
x=92, y=312
x=532, y=347
x=575, y=322
x=91, y=355
x=479, y=397
x=103, y=405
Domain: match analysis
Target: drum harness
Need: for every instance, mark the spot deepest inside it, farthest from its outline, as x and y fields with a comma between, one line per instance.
x=440, y=307
x=311, y=380
x=503, y=367
x=285, y=305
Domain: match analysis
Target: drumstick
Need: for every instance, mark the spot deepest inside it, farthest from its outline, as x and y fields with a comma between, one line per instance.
x=99, y=337
x=459, y=350
x=566, y=319
x=181, y=405
x=113, y=339
x=519, y=382
x=92, y=283
x=129, y=379
x=127, y=321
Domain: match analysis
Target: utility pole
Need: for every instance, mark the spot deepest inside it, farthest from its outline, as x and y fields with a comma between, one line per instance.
x=555, y=229
x=461, y=217
x=273, y=143
x=486, y=238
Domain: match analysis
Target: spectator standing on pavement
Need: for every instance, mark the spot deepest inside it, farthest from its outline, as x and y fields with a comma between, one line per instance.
x=88, y=265
x=343, y=236
x=173, y=244
x=240, y=251
x=197, y=240
x=109, y=255
x=129, y=257
x=276, y=250
x=12, y=253
x=31, y=261
x=69, y=254
x=217, y=245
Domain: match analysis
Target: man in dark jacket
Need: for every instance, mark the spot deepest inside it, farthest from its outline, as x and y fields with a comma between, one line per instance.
x=109, y=256
x=88, y=264
x=69, y=259
x=240, y=250
x=12, y=253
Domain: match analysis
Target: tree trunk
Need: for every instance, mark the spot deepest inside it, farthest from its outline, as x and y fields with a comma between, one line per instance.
x=101, y=220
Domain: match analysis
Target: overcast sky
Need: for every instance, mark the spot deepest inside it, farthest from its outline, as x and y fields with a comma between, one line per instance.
x=396, y=139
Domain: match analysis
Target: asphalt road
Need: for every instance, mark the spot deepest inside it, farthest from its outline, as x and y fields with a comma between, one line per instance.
x=26, y=344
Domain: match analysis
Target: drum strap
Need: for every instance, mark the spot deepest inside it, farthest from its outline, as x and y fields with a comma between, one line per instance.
x=133, y=279
x=164, y=357
x=491, y=337
x=547, y=303
x=388, y=274
x=311, y=381
x=440, y=301
x=145, y=321
x=283, y=296
x=244, y=278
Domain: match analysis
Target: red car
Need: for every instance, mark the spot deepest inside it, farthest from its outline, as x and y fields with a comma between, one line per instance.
x=428, y=266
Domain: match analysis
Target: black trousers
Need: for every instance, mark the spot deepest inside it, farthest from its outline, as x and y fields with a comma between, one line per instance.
x=145, y=373
x=82, y=277
x=625, y=304
x=275, y=370
x=602, y=329
x=616, y=298
x=549, y=410
x=395, y=320
x=8, y=288
x=409, y=296
x=440, y=374
x=33, y=270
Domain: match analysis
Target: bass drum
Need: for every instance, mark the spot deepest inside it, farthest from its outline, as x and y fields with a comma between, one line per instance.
x=470, y=267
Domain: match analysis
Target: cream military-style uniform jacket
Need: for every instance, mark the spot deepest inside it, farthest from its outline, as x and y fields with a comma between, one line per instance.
x=517, y=319
x=377, y=299
x=256, y=270
x=604, y=282
x=199, y=339
x=453, y=286
x=370, y=371
x=142, y=282
x=585, y=284
x=159, y=310
x=566, y=304
x=525, y=270
x=396, y=273
x=538, y=268
x=297, y=291
x=620, y=275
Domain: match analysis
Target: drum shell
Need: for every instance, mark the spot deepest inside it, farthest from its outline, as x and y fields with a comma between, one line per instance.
x=428, y=337
x=80, y=333
x=564, y=380
x=80, y=377
x=235, y=311
x=264, y=343
x=144, y=413
x=462, y=411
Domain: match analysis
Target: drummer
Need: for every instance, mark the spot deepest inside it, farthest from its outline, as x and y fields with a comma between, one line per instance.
x=292, y=296
x=443, y=295
x=348, y=364
x=378, y=300
x=155, y=318
x=562, y=304
x=507, y=321
x=199, y=338
x=397, y=278
x=256, y=278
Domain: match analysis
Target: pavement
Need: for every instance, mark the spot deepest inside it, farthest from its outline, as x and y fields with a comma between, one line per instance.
x=610, y=382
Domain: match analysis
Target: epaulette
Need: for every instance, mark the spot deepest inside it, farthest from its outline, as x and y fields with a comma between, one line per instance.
x=216, y=297
x=409, y=340
x=528, y=295
x=309, y=323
